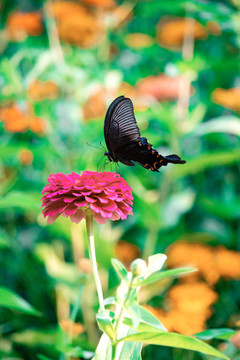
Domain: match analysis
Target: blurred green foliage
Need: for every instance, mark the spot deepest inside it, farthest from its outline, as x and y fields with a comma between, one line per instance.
x=198, y=201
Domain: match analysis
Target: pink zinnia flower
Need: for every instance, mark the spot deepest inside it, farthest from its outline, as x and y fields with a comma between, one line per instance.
x=106, y=195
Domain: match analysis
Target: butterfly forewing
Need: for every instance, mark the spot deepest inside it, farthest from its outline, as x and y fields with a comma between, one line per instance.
x=120, y=128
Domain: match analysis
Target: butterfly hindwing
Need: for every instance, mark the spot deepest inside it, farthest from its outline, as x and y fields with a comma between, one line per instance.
x=143, y=154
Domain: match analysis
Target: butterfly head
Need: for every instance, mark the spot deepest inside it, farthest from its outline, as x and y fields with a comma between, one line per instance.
x=109, y=156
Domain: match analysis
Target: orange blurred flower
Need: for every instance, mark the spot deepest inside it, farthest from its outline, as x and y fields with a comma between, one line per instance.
x=20, y=25
x=189, y=307
x=84, y=30
x=126, y=252
x=172, y=31
x=183, y=323
x=25, y=157
x=95, y=105
x=71, y=327
x=214, y=28
x=100, y=3
x=227, y=263
x=212, y=263
x=198, y=255
x=228, y=98
x=161, y=87
x=76, y=25
x=175, y=320
x=60, y=10
x=39, y=90
x=15, y=120
x=138, y=40
x=37, y=125
x=192, y=298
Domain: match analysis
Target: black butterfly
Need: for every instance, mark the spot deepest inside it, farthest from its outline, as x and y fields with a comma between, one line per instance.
x=124, y=141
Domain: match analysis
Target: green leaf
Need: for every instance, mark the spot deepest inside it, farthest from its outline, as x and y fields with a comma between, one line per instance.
x=223, y=124
x=205, y=161
x=155, y=263
x=130, y=351
x=177, y=205
x=10, y=300
x=43, y=357
x=134, y=312
x=13, y=76
x=146, y=320
x=33, y=337
x=3, y=242
x=105, y=323
x=209, y=334
x=227, y=210
x=77, y=351
x=164, y=274
x=174, y=340
x=120, y=269
x=21, y=200
x=197, y=114
x=109, y=301
x=104, y=349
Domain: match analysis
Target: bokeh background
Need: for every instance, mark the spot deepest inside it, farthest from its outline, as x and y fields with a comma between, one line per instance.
x=61, y=64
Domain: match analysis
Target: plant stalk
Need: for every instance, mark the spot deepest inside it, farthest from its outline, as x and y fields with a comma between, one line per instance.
x=92, y=255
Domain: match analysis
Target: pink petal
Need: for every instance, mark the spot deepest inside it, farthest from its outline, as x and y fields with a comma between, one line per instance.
x=80, y=203
x=110, y=206
x=78, y=216
x=97, y=191
x=70, y=209
x=90, y=200
x=77, y=194
x=115, y=216
x=99, y=218
x=86, y=193
x=94, y=208
x=51, y=219
x=69, y=199
x=54, y=211
x=102, y=200
x=106, y=214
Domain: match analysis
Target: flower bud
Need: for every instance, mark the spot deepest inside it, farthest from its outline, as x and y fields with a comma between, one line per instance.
x=138, y=267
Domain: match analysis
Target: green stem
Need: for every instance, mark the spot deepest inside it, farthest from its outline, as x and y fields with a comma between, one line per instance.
x=92, y=255
x=119, y=319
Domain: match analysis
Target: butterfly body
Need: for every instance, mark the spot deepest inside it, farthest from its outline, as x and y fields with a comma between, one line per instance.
x=124, y=141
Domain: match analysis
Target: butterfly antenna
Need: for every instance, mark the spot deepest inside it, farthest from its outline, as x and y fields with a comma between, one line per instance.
x=96, y=147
